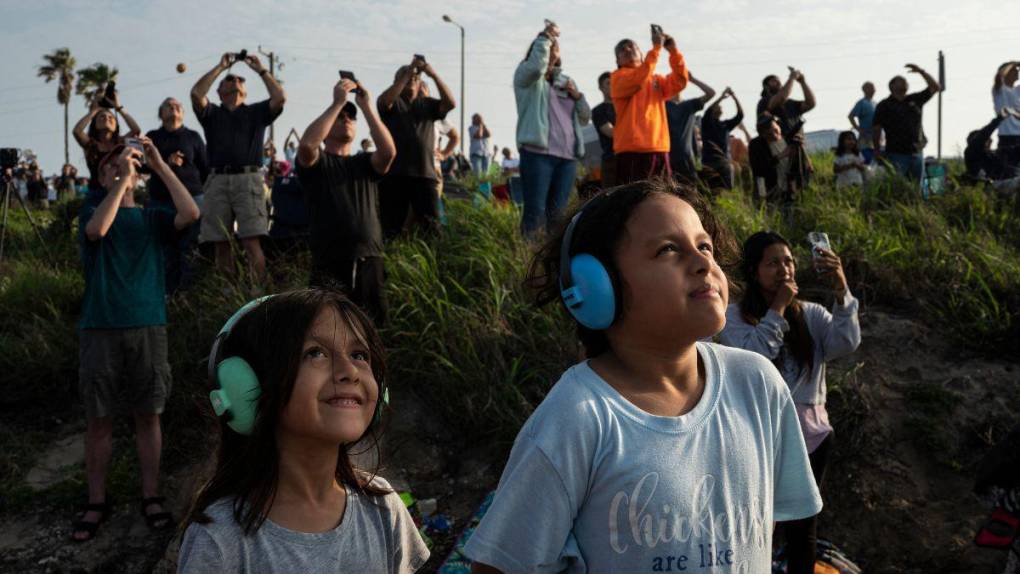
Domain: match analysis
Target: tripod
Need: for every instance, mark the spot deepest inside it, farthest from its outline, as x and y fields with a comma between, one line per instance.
x=8, y=185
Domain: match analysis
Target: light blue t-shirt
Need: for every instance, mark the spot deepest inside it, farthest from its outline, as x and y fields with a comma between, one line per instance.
x=595, y=484
x=864, y=111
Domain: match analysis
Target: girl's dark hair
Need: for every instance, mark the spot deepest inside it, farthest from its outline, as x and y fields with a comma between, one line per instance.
x=754, y=305
x=270, y=337
x=93, y=132
x=765, y=84
x=840, y=148
x=599, y=232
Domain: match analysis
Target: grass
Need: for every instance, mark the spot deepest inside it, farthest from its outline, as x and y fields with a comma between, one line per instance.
x=463, y=332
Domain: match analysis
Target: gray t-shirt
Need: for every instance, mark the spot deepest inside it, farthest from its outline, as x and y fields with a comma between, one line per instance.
x=374, y=535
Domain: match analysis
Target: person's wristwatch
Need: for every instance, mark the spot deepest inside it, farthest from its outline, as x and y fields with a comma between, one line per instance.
x=263, y=72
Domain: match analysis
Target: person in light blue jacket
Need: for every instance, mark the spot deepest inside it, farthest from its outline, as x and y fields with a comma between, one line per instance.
x=798, y=337
x=550, y=113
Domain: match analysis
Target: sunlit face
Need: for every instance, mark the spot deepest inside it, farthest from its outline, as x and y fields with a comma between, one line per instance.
x=335, y=392
x=343, y=129
x=171, y=111
x=232, y=89
x=105, y=121
x=111, y=174
x=673, y=288
x=777, y=266
x=628, y=55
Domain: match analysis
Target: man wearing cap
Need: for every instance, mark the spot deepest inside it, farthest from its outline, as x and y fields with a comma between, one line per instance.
x=342, y=194
x=410, y=116
x=234, y=132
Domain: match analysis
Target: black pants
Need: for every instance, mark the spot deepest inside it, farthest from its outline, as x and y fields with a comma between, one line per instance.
x=397, y=193
x=360, y=279
x=1009, y=151
x=719, y=175
x=802, y=535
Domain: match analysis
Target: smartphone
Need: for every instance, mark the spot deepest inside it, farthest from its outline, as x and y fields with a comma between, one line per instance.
x=419, y=57
x=135, y=143
x=656, y=29
x=818, y=241
x=350, y=76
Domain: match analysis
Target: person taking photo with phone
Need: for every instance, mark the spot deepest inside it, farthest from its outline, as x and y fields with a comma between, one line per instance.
x=641, y=140
x=98, y=131
x=799, y=337
x=342, y=195
x=234, y=134
x=410, y=116
x=123, y=362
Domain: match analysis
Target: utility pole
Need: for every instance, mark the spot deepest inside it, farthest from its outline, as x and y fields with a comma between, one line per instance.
x=272, y=72
x=460, y=104
x=942, y=86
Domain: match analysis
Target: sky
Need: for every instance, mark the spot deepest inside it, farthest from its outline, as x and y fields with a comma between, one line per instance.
x=732, y=43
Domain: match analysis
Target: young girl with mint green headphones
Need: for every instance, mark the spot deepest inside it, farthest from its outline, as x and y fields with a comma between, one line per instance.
x=297, y=380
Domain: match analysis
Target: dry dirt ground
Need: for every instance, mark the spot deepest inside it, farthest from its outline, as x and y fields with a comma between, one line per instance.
x=913, y=416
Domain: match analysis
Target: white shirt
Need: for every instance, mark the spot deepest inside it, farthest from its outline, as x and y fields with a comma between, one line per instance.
x=851, y=176
x=1006, y=97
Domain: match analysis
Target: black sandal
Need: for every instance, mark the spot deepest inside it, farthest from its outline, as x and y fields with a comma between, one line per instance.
x=156, y=520
x=90, y=528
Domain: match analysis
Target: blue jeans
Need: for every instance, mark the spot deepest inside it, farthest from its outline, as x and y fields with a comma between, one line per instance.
x=547, y=182
x=480, y=164
x=908, y=165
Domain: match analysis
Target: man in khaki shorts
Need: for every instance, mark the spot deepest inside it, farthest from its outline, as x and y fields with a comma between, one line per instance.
x=234, y=132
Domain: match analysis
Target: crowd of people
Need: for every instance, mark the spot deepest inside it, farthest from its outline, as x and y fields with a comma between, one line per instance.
x=661, y=449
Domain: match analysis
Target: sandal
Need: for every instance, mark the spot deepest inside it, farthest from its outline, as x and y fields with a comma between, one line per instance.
x=90, y=528
x=156, y=520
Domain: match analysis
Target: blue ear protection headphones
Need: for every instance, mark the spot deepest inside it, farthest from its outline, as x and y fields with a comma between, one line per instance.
x=236, y=387
x=585, y=285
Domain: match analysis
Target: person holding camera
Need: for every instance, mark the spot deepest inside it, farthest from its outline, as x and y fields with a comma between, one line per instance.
x=122, y=329
x=641, y=141
x=799, y=337
x=410, y=116
x=480, y=134
x=550, y=113
x=342, y=195
x=789, y=114
x=98, y=131
x=900, y=118
x=234, y=132
x=715, y=137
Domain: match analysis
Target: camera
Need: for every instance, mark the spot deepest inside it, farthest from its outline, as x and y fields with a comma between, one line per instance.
x=240, y=56
x=108, y=95
x=9, y=157
x=350, y=76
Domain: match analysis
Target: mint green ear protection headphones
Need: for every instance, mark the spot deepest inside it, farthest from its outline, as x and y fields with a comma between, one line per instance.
x=236, y=387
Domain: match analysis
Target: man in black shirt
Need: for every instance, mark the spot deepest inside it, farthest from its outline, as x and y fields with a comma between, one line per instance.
x=680, y=115
x=900, y=117
x=346, y=236
x=789, y=113
x=715, y=137
x=410, y=117
x=234, y=132
x=604, y=118
x=184, y=151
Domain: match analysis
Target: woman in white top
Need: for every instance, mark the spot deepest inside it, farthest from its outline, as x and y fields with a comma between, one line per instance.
x=1006, y=94
x=799, y=337
x=849, y=166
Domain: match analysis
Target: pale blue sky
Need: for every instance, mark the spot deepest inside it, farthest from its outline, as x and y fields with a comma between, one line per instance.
x=726, y=42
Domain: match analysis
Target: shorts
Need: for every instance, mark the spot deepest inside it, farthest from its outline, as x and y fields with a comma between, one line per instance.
x=123, y=370
x=230, y=197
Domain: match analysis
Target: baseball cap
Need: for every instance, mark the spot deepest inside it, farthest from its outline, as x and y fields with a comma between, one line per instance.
x=350, y=109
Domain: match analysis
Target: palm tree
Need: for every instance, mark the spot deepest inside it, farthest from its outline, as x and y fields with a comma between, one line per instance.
x=60, y=66
x=93, y=79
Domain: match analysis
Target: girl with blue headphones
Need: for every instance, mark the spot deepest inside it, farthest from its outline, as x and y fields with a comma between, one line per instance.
x=297, y=380
x=660, y=452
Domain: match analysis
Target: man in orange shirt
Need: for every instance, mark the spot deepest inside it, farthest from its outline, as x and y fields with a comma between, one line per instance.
x=641, y=134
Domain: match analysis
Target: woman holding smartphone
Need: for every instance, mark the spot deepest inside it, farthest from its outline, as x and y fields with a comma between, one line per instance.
x=99, y=132
x=799, y=337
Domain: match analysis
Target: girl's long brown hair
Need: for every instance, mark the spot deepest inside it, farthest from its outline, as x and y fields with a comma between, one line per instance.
x=270, y=337
x=754, y=305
